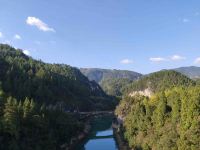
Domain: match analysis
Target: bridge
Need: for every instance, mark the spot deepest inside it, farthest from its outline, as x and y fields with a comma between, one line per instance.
x=96, y=113
x=102, y=137
x=85, y=115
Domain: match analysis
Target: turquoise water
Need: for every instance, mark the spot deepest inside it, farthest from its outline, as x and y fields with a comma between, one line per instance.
x=101, y=137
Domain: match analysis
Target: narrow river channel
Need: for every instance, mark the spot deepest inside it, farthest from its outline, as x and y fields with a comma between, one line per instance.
x=101, y=136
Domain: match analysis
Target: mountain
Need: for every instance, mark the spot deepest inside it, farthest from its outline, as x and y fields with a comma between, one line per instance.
x=167, y=120
x=192, y=72
x=53, y=84
x=161, y=111
x=98, y=75
x=112, y=81
x=158, y=81
x=115, y=87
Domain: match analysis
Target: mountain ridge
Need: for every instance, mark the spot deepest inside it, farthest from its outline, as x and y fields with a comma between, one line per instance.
x=49, y=83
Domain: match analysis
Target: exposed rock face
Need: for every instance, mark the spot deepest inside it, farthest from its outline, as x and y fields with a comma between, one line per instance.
x=147, y=92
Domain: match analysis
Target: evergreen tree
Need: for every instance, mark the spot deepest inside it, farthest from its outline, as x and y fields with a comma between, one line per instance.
x=10, y=117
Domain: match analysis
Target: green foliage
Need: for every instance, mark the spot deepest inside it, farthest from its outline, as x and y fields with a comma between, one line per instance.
x=25, y=126
x=159, y=81
x=53, y=84
x=111, y=81
x=34, y=98
x=114, y=87
x=168, y=120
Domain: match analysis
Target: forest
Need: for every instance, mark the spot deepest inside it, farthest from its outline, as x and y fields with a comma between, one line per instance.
x=169, y=119
x=38, y=101
x=56, y=85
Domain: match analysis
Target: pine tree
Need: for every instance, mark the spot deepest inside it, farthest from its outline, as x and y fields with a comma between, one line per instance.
x=10, y=119
x=26, y=108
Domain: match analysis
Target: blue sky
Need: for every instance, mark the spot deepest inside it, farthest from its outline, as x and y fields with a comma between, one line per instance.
x=139, y=35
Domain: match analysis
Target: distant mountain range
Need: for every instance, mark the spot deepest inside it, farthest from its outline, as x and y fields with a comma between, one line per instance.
x=99, y=75
x=192, y=72
x=114, y=82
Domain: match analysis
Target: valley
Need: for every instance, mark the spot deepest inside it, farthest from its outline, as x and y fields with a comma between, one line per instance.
x=57, y=107
x=99, y=75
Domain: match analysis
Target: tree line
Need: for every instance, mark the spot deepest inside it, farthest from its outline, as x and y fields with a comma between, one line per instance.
x=168, y=120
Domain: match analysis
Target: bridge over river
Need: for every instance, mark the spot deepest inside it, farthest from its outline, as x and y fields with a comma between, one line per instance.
x=85, y=115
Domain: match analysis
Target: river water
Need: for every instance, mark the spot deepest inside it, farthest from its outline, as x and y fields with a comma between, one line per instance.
x=101, y=136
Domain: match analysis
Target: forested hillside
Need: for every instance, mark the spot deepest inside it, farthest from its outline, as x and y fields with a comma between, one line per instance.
x=53, y=84
x=115, y=87
x=26, y=125
x=159, y=81
x=35, y=98
x=168, y=120
x=98, y=75
x=112, y=81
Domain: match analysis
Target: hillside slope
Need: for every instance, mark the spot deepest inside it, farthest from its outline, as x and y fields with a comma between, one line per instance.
x=52, y=84
x=158, y=81
x=192, y=72
x=112, y=81
x=98, y=75
x=167, y=120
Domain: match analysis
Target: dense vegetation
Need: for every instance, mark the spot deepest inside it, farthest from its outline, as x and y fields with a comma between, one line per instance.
x=115, y=87
x=159, y=81
x=53, y=84
x=112, y=81
x=168, y=120
x=35, y=98
x=25, y=125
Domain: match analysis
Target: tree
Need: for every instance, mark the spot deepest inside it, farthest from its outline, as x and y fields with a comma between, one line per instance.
x=10, y=118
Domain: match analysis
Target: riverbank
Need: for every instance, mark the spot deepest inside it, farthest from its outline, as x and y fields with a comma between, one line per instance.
x=119, y=136
x=79, y=137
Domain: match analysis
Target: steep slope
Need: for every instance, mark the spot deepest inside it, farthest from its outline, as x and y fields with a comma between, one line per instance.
x=112, y=81
x=160, y=111
x=115, y=87
x=158, y=81
x=192, y=72
x=167, y=120
x=52, y=84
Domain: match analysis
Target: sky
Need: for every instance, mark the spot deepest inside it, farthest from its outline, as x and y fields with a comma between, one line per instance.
x=139, y=35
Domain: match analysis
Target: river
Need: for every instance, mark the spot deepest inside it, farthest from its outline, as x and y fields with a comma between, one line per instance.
x=101, y=136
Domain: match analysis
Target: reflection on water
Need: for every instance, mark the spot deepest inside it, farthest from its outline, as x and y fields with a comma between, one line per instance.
x=105, y=133
x=101, y=137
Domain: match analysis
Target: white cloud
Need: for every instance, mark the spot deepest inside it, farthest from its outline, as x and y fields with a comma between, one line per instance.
x=1, y=34
x=33, y=21
x=157, y=59
x=177, y=57
x=126, y=61
x=197, y=60
x=26, y=52
x=185, y=20
x=17, y=37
